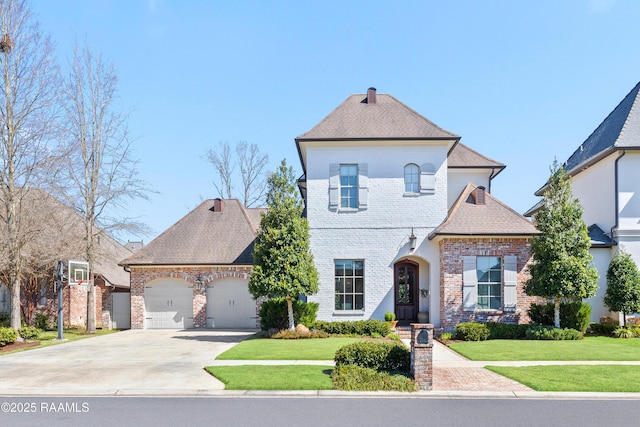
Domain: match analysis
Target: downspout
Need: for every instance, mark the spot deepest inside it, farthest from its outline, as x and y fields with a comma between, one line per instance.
x=616, y=201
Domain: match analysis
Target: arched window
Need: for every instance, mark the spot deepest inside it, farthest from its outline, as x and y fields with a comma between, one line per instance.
x=411, y=178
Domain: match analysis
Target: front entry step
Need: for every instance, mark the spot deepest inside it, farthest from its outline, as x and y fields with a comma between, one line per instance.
x=404, y=332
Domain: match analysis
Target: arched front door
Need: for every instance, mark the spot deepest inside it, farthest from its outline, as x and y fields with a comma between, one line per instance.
x=406, y=292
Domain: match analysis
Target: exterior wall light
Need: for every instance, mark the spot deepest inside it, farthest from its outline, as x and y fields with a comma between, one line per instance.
x=412, y=240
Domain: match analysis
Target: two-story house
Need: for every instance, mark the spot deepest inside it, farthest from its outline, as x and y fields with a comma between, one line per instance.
x=605, y=178
x=401, y=219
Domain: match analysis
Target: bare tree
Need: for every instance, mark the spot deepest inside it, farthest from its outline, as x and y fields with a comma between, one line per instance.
x=102, y=171
x=251, y=163
x=27, y=111
x=222, y=163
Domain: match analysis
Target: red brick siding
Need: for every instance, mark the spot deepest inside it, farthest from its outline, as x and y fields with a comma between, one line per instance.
x=452, y=252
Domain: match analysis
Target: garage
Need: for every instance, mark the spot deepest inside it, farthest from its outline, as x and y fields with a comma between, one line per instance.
x=230, y=305
x=168, y=305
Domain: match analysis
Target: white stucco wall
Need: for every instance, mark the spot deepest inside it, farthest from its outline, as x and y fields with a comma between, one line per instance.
x=378, y=235
x=459, y=178
x=594, y=188
x=601, y=259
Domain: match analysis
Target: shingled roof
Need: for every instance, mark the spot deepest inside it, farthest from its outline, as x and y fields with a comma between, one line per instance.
x=218, y=232
x=463, y=157
x=621, y=129
x=375, y=116
x=478, y=213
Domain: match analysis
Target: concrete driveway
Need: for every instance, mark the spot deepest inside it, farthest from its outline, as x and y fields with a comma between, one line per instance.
x=134, y=362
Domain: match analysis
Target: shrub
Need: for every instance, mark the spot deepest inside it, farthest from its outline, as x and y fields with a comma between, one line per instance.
x=273, y=313
x=541, y=314
x=389, y=316
x=446, y=336
x=472, y=331
x=599, y=328
x=360, y=327
x=287, y=334
x=545, y=332
x=357, y=378
x=5, y=320
x=45, y=322
x=29, y=332
x=622, y=332
x=378, y=355
x=506, y=331
x=7, y=336
x=575, y=315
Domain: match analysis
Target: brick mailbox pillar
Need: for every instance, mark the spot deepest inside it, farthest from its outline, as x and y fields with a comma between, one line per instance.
x=422, y=355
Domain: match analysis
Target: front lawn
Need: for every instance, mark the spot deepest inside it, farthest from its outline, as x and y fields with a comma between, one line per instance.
x=279, y=377
x=588, y=378
x=589, y=348
x=272, y=349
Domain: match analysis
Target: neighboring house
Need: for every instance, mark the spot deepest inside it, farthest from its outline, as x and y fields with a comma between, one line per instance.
x=605, y=178
x=196, y=273
x=58, y=231
x=401, y=220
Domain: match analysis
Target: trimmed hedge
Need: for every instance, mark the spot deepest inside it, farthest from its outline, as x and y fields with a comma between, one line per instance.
x=287, y=334
x=472, y=331
x=7, y=336
x=29, y=332
x=573, y=314
x=357, y=378
x=378, y=355
x=545, y=332
x=273, y=313
x=369, y=328
x=599, y=328
x=506, y=331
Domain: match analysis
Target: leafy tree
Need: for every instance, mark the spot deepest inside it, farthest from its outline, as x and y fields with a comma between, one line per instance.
x=623, y=285
x=282, y=261
x=561, y=265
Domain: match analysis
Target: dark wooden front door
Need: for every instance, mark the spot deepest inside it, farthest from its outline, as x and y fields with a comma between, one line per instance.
x=406, y=292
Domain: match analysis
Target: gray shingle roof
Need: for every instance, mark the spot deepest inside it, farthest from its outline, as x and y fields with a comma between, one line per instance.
x=388, y=118
x=621, y=129
x=598, y=237
x=493, y=218
x=204, y=237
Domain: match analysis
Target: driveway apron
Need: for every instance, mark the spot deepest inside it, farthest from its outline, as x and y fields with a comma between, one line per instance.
x=144, y=361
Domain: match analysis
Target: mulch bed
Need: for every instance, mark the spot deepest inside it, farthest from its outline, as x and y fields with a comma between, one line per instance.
x=18, y=346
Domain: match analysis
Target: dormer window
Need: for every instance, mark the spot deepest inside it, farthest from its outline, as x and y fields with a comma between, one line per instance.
x=412, y=178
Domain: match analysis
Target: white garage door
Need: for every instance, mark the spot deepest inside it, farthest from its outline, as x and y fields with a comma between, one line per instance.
x=230, y=305
x=168, y=305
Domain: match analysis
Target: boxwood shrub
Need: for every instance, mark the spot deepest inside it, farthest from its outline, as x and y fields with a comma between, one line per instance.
x=472, y=331
x=274, y=314
x=29, y=332
x=7, y=336
x=357, y=378
x=599, y=328
x=369, y=328
x=378, y=355
x=545, y=332
x=506, y=331
x=573, y=314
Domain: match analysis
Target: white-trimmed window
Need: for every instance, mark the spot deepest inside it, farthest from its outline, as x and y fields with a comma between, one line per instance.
x=412, y=178
x=489, y=283
x=349, y=284
x=348, y=186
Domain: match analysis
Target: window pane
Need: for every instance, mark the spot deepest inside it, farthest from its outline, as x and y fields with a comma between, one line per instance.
x=495, y=263
x=348, y=302
x=483, y=303
x=348, y=286
x=483, y=289
x=339, y=285
x=359, y=302
x=483, y=276
x=358, y=268
x=495, y=276
x=359, y=286
x=495, y=290
x=496, y=303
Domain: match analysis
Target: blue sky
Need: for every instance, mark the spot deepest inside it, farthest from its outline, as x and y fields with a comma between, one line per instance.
x=522, y=82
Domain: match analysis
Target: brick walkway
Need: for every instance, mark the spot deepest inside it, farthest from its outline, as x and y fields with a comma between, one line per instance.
x=472, y=379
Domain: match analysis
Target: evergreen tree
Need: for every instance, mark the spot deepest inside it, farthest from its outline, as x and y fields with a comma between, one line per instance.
x=623, y=285
x=561, y=265
x=282, y=261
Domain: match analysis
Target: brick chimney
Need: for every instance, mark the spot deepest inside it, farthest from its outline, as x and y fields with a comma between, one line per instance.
x=371, y=95
x=218, y=205
x=478, y=195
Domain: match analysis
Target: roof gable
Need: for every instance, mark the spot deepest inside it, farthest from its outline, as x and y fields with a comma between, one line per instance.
x=386, y=118
x=206, y=235
x=621, y=129
x=467, y=217
x=462, y=156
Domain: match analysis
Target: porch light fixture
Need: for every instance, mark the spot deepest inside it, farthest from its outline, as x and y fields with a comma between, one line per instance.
x=200, y=283
x=412, y=240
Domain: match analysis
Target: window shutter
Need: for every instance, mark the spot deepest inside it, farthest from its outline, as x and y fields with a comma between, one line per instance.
x=334, y=186
x=510, y=283
x=363, y=182
x=469, y=283
x=427, y=178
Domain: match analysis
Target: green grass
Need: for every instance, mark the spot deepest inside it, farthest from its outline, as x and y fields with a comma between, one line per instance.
x=590, y=348
x=280, y=377
x=48, y=338
x=599, y=378
x=270, y=349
